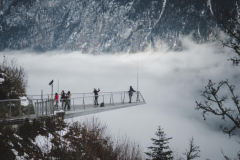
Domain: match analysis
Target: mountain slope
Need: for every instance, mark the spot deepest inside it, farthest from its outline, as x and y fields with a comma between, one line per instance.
x=95, y=26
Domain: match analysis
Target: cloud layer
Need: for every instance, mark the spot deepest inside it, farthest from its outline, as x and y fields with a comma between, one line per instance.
x=169, y=81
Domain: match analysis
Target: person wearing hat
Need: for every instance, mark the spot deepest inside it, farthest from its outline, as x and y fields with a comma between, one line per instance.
x=96, y=95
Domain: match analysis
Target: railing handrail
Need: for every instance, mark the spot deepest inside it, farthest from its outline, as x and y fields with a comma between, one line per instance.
x=47, y=106
x=6, y=100
x=100, y=94
x=76, y=93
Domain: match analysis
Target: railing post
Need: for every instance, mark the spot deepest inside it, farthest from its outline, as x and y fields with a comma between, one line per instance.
x=142, y=97
x=20, y=109
x=73, y=105
x=42, y=107
x=36, y=108
x=123, y=97
x=28, y=110
x=10, y=109
x=49, y=107
x=137, y=99
x=83, y=100
x=46, y=106
x=112, y=99
x=52, y=106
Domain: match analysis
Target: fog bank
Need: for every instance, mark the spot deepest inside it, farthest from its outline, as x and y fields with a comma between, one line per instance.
x=169, y=81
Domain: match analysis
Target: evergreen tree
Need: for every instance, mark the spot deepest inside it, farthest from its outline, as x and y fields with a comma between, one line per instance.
x=193, y=152
x=160, y=150
x=13, y=79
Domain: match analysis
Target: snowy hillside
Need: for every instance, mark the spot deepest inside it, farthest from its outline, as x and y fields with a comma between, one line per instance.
x=94, y=26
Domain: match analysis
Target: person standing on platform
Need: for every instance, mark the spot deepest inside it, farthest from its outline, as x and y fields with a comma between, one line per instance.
x=56, y=99
x=130, y=92
x=63, y=99
x=68, y=100
x=96, y=96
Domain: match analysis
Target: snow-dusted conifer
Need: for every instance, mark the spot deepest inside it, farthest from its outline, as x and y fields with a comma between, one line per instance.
x=160, y=150
x=13, y=79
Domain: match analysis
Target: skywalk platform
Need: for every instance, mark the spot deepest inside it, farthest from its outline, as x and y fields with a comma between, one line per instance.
x=17, y=110
x=78, y=110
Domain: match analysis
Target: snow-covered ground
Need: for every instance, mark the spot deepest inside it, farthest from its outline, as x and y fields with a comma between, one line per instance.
x=24, y=101
x=169, y=81
x=1, y=80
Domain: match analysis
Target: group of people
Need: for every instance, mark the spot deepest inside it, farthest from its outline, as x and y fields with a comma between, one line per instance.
x=66, y=98
x=130, y=93
x=95, y=91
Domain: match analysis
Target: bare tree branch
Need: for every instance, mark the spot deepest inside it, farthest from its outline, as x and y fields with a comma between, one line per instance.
x=211, y=95
x=230, y=24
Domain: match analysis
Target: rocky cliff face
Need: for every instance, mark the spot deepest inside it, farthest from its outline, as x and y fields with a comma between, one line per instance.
x=96, y=26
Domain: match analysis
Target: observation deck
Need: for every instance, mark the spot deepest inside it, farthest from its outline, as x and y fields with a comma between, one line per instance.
x=17, y=110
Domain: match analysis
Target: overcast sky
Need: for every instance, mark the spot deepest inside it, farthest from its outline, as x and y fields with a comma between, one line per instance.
x=169, y=81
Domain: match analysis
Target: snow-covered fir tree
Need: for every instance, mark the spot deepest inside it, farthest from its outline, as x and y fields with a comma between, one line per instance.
x=160, y=150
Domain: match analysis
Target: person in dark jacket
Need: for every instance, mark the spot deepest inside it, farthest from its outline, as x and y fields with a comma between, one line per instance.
x=68, y=100
x=63, y=99
x=130, y=92
x=96, y=96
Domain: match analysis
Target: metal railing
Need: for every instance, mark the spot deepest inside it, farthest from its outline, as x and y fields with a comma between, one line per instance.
x=44, y=107
x=16, y=108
